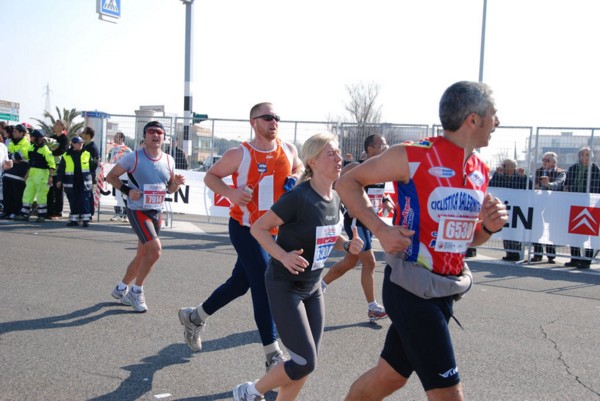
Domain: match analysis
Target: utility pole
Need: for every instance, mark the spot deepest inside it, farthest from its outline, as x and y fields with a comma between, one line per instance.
x=47, y=95
x=482, y=52
x=187, y=96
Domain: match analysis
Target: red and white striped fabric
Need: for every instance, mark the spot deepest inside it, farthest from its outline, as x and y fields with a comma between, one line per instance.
x=99, y=185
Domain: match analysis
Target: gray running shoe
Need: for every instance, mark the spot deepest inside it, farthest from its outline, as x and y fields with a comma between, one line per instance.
x=377, y=313
x=191, y=332
x=118, y=294
x=275, y=359
x=240, y=393
x=137, y=300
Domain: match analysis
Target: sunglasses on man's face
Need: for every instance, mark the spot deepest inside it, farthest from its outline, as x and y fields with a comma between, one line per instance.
x=269, y=117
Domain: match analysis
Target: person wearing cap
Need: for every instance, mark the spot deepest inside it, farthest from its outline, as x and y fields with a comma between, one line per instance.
x=59, y=147
x=15, y=171
x=88, y=138
x=74, y=176
x=39, y=178
x=151, y=175
x=19, y=144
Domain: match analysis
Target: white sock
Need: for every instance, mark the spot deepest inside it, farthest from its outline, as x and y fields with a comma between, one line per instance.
x=201, y=313
x=323, y=285
x=121, y=286
x=373, y=305
x=272, y=349
x=137, y=288
x=253, y=391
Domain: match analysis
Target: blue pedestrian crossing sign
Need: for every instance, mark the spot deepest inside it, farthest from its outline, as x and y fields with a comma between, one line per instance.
x=109, y=10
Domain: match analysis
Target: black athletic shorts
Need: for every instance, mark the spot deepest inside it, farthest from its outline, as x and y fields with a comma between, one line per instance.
x=418, y=339
x=145, y=223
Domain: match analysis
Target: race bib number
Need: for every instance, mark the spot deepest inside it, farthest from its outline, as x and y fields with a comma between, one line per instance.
x=455, y=234
x=376, y=197
x=326, y=236
x=154, y=195
x=265, y=193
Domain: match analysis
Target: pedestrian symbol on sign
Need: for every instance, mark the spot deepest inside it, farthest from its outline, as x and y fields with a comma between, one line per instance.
x=111, y=5
x=109, y=10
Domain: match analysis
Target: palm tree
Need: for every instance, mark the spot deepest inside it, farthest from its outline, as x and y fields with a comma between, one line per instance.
x=68, y=116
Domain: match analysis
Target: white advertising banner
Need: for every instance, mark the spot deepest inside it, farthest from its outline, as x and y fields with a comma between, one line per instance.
x=192, y=198
x=560, y=218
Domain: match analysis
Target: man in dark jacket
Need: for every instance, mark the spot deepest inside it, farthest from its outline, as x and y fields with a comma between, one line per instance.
x=509, y=176
x=579, y=176
x=89, y=145
x=58, y=145
x=550, y=178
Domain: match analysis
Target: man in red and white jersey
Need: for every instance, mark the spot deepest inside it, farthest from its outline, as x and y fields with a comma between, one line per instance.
x=441, y=210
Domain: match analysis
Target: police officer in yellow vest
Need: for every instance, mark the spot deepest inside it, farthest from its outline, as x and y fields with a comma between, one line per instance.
x=75, y=177
x=14, y=177
x=39, y=178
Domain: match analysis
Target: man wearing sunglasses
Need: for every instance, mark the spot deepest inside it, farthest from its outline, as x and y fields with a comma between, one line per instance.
x=262, y=170
x=151, y=175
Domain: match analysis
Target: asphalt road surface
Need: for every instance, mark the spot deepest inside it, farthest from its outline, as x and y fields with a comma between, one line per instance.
x=530, y=332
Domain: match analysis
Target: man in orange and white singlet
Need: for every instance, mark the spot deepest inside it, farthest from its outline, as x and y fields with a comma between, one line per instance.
x=262, y=170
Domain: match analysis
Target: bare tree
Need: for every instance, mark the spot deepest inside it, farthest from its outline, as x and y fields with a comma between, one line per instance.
x=365, y=116
x=362, y=105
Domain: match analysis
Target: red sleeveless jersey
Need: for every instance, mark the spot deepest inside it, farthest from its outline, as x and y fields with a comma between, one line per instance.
x=441, y=202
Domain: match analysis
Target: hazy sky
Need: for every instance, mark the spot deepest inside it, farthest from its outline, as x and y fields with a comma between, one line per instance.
x=541, y=56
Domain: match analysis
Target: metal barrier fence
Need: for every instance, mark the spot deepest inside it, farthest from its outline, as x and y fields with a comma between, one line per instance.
x=515, y=153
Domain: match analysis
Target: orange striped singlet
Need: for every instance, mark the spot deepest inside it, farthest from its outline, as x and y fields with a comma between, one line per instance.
x=265, y=173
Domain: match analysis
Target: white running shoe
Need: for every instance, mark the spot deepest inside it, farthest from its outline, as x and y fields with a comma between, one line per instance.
x=115, y=218
x=137, y=300
x=117, y=294
x=240, y=393
x=191, y=332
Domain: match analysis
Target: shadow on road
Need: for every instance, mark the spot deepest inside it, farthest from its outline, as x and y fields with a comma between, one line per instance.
x=74, y=319
x=142, y=374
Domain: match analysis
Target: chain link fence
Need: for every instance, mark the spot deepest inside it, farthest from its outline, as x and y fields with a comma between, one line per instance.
x=514, y=153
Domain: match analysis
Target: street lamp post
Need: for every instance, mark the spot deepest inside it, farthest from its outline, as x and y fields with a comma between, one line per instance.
x=481, y=54
x=187, y=96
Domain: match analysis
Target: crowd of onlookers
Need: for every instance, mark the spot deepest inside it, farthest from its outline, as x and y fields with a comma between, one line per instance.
x=583, y=177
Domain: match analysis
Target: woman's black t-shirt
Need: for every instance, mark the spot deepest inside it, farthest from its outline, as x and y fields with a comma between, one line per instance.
x=312, y=224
